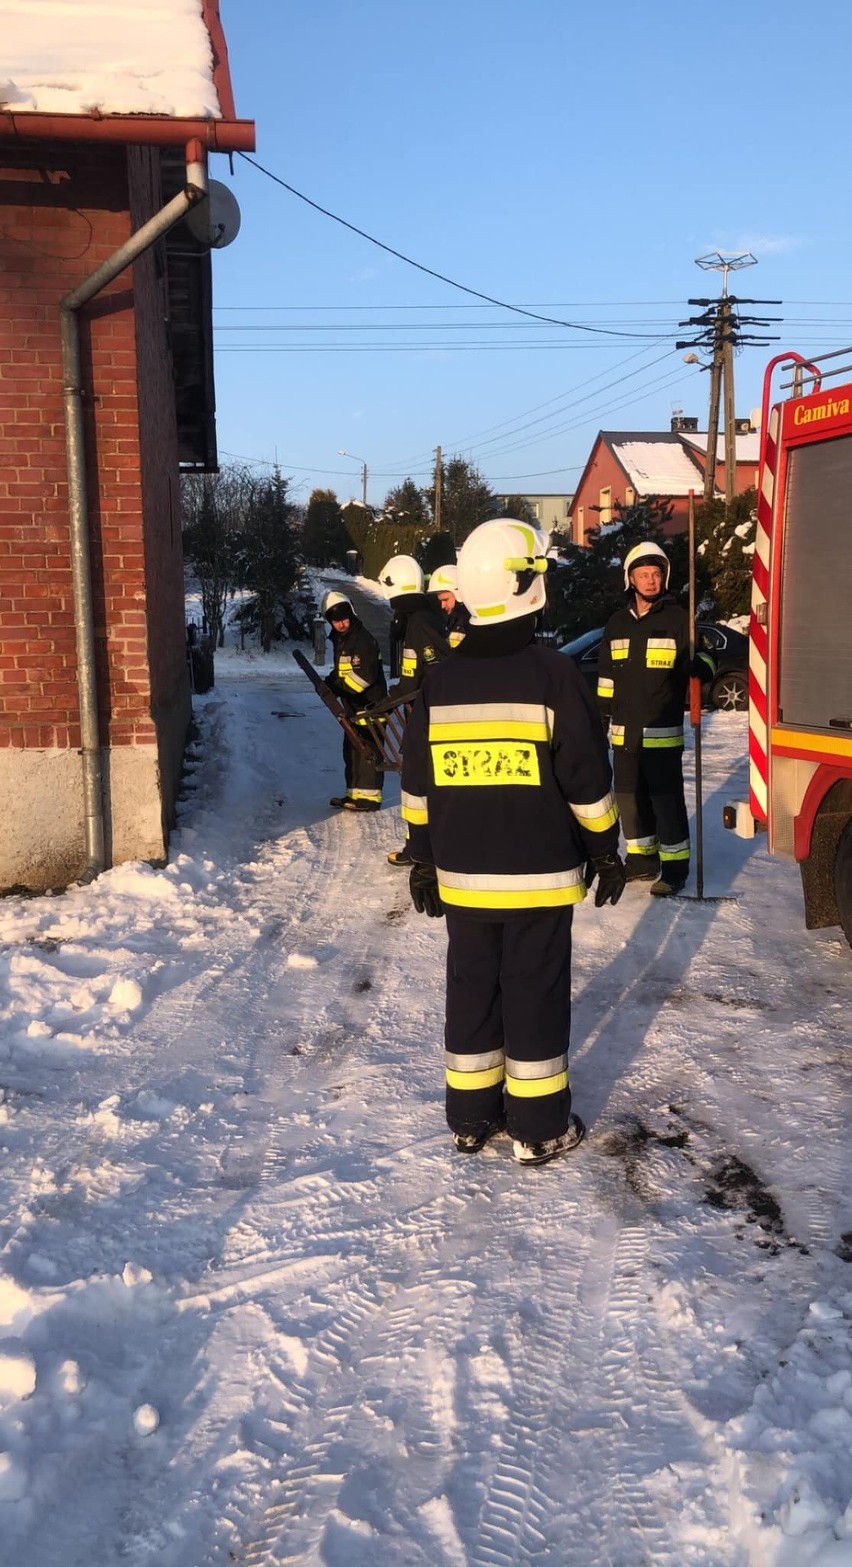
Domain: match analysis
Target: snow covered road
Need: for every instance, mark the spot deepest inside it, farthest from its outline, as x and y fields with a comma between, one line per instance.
x=227, y=1193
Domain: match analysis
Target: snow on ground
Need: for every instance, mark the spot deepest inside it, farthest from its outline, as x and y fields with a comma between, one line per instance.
x=255, y=1309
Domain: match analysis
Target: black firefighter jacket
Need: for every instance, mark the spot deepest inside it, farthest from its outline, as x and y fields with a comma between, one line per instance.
x=506, y=782
x=358, y=676
x=643, y=676
x=419, y=624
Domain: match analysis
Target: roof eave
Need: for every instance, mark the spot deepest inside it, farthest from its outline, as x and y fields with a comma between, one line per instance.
x=226, y=135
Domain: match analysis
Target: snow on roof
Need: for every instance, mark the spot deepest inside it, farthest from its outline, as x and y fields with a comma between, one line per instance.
x=134, y=57
x=657, y=467
x=748, y=446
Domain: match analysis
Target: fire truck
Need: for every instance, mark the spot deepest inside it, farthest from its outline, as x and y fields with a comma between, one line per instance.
x=800, y=666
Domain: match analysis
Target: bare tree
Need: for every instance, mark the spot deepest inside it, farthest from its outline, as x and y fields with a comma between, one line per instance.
x=214, y=509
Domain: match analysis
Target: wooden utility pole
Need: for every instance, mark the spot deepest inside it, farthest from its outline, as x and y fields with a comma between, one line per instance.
x=730, y=407
x=439, y=478
x=713, y=415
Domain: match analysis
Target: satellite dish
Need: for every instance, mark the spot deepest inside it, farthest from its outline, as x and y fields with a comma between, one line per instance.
x=215, y=221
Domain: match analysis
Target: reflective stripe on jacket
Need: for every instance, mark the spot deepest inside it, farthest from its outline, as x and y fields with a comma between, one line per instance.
x=643, y=676
x=506, y=783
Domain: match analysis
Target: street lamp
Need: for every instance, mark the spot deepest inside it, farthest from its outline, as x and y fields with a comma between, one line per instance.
x=342, y=453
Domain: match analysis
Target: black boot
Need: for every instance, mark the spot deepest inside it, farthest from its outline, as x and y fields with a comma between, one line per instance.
x=673, y=879
x=642, y=867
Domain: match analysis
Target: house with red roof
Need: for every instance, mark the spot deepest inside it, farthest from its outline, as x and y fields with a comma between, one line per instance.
x=108, y=116
x=628, y=466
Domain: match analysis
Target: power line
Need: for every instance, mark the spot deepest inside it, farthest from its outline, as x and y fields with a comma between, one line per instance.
x=430, y=272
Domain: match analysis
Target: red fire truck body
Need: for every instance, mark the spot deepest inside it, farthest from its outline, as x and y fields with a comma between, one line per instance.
x=800, y=673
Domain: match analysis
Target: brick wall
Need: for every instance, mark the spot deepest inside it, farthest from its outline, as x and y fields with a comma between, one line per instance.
x=63, y=210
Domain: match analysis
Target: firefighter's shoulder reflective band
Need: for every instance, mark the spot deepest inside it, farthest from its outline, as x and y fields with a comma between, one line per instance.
x=597, y=817
x=533, y=1079
x=546, y=889
x=501, y=762
x=619, y=647
x=455, y=638
x=491, y=721
x=616, y=734
x=409, y=662
x=660, y=739
x=414, y=809
x=606, y=686
x=660, y=653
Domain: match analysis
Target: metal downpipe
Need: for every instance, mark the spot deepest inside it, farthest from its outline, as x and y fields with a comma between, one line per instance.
x=78, y=507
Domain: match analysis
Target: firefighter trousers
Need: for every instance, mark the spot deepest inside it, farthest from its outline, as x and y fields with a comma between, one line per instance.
x=363, y=775
x=649, y=791
x=508, y=1022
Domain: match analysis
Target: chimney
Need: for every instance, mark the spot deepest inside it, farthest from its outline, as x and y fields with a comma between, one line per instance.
x=683, y=422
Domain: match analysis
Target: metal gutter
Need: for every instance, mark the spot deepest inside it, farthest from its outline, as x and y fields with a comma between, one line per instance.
x=193, y=192
x=132, y=129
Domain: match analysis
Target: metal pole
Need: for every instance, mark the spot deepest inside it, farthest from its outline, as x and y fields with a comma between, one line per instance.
x=439, y=483
x=78, y=508
x=695, y=710
x=364, y=482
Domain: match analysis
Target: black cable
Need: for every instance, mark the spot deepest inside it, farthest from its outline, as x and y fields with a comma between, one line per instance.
x=474, y=292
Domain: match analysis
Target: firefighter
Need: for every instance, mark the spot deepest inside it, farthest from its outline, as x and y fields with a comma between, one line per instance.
x=643, y=679
x=445, y=582
x=419, y=628
x=507, y=790
x=358, y=679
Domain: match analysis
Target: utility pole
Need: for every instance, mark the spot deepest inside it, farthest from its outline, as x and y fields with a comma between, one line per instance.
x=439, y=480
x=363, y=481
x=727, y=335
x=719, y=329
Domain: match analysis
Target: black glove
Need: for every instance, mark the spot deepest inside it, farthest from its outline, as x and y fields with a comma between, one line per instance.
x=609, y=869
x=423, y=883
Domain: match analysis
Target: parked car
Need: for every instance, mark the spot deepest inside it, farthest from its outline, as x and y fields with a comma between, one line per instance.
x=728, y=690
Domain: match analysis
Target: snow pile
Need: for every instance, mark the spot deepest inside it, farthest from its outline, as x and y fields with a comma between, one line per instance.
x=795, y=1442
x=76, y=56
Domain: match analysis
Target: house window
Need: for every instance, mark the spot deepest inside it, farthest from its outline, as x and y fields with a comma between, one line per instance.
x=581, y=524
x=630, y=496
x=605, y=504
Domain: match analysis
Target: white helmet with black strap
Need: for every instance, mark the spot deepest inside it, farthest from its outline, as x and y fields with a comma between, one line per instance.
x=648, y=554
x=501, y=571
x=336, y=606
x=400, y=575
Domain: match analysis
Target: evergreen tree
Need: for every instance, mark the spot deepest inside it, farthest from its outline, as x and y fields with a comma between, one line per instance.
x=466, y=499
x=408, y=504
x=519, y=507
x=726, y=552
x=325, y=539
x=583, y=593
x=436, y=550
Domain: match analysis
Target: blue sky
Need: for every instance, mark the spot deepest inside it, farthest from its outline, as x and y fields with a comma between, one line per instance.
x=574, y=160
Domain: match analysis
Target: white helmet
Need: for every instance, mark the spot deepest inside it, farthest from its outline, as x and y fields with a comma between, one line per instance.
x=501, y=571
x=647, y=555
x=332, y=600
x=444, y=579
x=401, y=574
